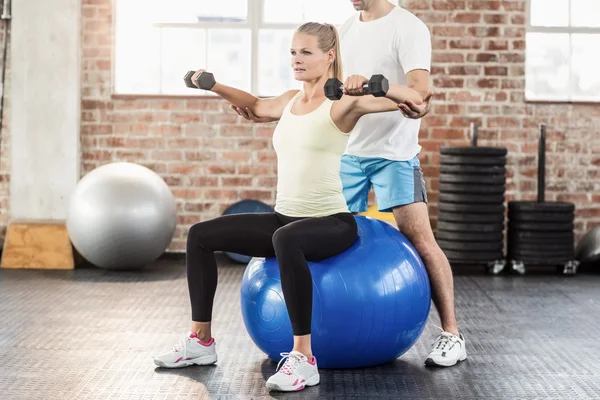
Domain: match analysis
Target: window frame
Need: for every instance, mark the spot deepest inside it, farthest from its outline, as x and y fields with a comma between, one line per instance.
x=254, y=22
x=570, y=30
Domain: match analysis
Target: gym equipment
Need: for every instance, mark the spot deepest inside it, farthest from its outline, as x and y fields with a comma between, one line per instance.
x=378, y=86
x=587, y=251
x=470, y=226
x=245, y=206
x=540, y=232
x=121, y=216
x=205, y=80
x=370, y=302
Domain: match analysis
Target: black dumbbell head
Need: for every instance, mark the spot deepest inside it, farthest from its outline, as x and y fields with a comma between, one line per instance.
x=188, y=80
x=206, y=81
x=378, y=85
x=333, y=89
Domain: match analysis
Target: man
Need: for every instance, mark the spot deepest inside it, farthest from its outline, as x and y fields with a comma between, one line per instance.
x=382, y=151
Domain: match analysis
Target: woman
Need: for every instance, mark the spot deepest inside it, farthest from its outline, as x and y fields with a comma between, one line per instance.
x=311, y=220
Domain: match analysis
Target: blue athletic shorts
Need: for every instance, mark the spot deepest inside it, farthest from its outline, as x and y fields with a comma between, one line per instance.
x=395, y=183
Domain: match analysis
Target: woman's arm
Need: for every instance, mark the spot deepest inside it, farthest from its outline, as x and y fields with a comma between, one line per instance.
x=356, y=102
x=270, y=108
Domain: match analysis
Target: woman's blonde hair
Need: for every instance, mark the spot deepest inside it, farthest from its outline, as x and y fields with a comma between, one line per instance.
x=328, y=38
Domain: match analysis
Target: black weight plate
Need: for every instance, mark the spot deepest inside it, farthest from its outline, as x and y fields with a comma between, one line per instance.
x=457, y=256
x=541, y=247
x=541, y=226
x=547, y=206
x=520, y=254
x=541, y=260
x=472, y=160
x=469, y=227
x=473, y=169
x=540, y=236
x=471, y=246
x=473, y=179
x=472, y=208
x=472, y=198
x=473, y=150
x=474, y=189
x=470, y=236
x=534, y=241
x=464, y=217
x=540, y=217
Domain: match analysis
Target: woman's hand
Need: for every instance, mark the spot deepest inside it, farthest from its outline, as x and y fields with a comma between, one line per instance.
x=354, y=85
x=249, y=115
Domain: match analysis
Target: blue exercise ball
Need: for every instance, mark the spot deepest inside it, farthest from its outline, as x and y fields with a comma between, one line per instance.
x=370, y=302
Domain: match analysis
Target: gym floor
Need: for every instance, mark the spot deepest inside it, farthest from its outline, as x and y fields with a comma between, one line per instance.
x=91, y=334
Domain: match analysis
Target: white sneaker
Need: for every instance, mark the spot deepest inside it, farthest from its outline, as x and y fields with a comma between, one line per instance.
x=448, y=349
x=296, y=373
x=188, y=352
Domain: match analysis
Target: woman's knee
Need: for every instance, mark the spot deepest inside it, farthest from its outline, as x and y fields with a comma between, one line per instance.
x=197, y=235
x=284, y=238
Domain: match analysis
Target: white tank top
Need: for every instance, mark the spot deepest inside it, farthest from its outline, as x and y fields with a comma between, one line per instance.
x=309, y=150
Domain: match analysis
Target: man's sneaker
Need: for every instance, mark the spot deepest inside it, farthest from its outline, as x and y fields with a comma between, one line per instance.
x=188, y=352
x=296, y=373
x=448, y=349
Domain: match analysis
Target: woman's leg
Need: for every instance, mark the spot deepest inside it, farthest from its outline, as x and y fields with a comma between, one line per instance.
x=310, y=239
x=249, y=234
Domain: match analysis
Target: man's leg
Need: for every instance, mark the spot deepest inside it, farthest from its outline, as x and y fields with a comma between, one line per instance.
x=413, y=222
x=399, y=187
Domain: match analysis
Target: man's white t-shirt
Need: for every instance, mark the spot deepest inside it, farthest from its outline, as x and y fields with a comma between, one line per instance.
x=392, y=45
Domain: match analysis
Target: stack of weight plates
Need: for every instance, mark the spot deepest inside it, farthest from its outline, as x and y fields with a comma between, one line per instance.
x=470, y=226
x=540, y=233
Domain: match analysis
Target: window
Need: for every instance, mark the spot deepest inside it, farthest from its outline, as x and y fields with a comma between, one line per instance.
x=245, y=43
x=562, y=52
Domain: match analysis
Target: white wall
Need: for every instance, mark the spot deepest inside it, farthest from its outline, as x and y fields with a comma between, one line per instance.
x=45, y=112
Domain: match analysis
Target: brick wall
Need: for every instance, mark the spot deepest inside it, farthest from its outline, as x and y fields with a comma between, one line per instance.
x=212, y=158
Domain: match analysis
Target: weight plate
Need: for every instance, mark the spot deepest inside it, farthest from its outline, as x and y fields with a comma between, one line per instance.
x=473, y=169
x=540, y=217
x=471, y=246
x=541, y=226
x=473, y=150
x=474, y=189
x=471, y=208
x=546, y=206
x=472, y=198
x=533, y=241
x=541, y=260
x=560, y=247
x=469, y=227
x=457, y=256
x=472, y=160
x=520, y=254
x=470, y=236
x=473, y=179
x=540, y=235
x=466, y=218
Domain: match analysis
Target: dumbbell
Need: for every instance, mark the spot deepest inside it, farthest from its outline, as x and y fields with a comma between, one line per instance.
x=378, y=86
x=205, y=80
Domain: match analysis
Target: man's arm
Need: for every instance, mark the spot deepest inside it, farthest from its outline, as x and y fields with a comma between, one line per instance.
x=418, y=80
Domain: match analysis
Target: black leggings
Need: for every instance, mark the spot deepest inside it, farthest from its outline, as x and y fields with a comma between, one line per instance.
x=294, y=241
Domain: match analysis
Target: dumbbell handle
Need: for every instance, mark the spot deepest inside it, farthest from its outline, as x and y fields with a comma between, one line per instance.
x=365, y=87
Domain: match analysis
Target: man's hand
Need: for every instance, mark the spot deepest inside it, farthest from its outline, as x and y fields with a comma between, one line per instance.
x=413, y=111
x=247, y=114
x=354, y=85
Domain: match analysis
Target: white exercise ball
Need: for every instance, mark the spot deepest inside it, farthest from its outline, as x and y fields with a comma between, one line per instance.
x=121, y=216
